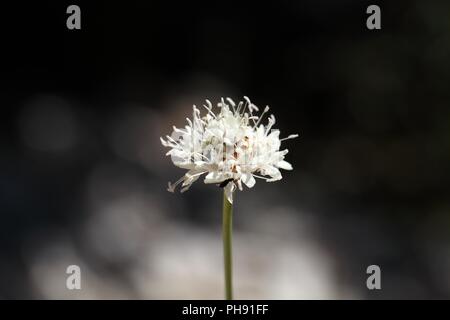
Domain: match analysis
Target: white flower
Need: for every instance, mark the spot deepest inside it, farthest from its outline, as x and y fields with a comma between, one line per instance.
x=231, y=147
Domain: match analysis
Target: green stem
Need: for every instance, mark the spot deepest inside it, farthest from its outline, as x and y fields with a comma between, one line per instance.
x=227, y=225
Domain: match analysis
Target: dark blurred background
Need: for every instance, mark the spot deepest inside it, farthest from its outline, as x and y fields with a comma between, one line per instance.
x=83, y=175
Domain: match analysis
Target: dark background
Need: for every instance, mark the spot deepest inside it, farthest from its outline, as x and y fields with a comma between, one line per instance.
x=83, y=175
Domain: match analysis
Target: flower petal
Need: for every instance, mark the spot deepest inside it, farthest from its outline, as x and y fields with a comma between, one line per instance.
x=284, y=165
x=215, y=177
x=248, y=179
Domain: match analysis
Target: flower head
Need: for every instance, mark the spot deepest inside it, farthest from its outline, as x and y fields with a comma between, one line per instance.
x=231, y=147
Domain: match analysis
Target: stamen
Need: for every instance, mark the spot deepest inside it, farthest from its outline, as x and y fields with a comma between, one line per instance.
x=171, y=187
x=194, y=175
x=231, y=102
x=261, y=116
x=260, y=177
x=249, y=105
x=270, y=124
x=291, y=136
x=210, y=112
x=239, y=107
x=245, y=105
x=232, y=106
x=178, y=130
x=173, y=141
